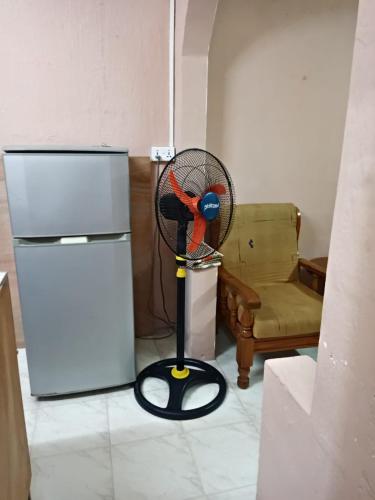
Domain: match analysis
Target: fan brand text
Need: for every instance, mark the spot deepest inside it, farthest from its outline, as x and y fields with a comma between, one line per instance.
x=211, y=205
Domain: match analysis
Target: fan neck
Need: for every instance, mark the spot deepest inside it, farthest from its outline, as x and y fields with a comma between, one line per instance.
x=181, y=238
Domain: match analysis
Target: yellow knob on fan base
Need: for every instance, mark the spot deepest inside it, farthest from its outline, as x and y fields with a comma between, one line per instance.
x=180, y=373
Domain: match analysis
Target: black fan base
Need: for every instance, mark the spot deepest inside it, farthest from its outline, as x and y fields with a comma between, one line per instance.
x=199, y=373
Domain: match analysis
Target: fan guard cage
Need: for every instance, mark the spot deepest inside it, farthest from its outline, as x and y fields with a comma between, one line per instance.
x=196, y=170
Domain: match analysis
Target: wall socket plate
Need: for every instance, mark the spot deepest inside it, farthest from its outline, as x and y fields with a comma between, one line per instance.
x=165, y=153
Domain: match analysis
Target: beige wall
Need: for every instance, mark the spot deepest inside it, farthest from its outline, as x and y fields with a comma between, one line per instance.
x=194, y=26
x=81, y=72
x=277, y=94
x=318, y=423
x=84, y=71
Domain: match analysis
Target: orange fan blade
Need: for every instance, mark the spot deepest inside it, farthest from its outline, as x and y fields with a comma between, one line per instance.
x=216, y=188
x=198, y=233
x=178, y=191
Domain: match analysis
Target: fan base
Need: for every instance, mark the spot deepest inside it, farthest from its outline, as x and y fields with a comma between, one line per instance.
x=198, y=373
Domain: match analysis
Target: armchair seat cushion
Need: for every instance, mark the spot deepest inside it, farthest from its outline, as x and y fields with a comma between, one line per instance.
x=287, y=309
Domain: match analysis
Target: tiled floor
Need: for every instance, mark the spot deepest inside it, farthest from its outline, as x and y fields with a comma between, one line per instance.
x=104, y=446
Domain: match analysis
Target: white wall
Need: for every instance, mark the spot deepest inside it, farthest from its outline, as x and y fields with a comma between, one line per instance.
x=277, y=94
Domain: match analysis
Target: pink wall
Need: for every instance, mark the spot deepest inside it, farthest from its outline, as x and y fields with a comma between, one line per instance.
x=84, y=72
x=318, y=429
x=80, y=72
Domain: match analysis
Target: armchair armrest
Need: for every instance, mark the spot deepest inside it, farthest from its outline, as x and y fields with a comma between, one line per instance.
x=312, y=267
x=247, y=294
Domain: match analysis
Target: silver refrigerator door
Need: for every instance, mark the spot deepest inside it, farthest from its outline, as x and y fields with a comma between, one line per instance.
x=77, y=310
x=57, y=193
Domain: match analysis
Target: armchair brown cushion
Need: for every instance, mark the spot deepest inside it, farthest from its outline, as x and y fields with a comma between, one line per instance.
x=262, y=252
x=262, y=245
x=287, y=309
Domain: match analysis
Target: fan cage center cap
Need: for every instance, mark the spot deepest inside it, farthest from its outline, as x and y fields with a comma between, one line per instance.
x=209, y=206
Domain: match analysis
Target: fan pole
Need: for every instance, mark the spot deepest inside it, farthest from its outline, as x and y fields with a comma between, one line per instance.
x=180, y=326
x=181, y=277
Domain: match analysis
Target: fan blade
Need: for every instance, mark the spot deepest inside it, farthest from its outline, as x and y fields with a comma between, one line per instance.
x=198, y=233
x=178, y=191
x=216, y=188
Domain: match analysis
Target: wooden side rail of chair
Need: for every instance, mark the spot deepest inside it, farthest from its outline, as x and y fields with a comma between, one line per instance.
x=248, y=296
x=317, y=272
x=312, y=267
x=236, y=304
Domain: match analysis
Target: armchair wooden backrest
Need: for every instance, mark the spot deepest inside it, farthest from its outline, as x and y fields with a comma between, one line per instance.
x=262, y=246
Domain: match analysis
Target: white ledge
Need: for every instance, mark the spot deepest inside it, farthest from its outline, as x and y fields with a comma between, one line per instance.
x=297, y=375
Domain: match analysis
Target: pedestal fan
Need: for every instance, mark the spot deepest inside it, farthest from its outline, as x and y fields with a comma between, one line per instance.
x=194, y=207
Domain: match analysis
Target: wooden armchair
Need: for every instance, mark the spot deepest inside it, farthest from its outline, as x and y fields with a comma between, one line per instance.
x=261, y=298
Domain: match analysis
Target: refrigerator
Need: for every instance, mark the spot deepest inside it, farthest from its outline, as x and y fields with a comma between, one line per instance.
x=70, y=219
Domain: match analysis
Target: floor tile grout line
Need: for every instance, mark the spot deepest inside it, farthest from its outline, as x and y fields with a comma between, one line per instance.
x=200, y=476
x=231, y=490
x=118, y=395
x=152, y=341
x=234, y=387
x=186, y=432
x=182, y=431
x=142, y=440
x=215, y=426
x=110, y=451
x=157, y=349
x=69, y=452
x=195, y=465
x=30, y=440
x=38, y=404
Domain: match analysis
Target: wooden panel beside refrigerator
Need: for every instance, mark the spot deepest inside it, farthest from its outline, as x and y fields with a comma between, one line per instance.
x=15, y=470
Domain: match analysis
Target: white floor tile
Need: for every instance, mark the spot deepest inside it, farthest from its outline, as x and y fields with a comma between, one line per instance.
x=226, y=456
x=145, y=353
x=160, y=468
x=71, y=427
x=22, y=362
x=166, y=347
x=230, y=412
x=228, y=364
x=82, y=475
x=30, y=421
x=212, y=458
x=251, y=400
x=129, y=422
x=224, y=340
x=309, y=351
x=154, y=384
x=29, y=402
x=247, y=493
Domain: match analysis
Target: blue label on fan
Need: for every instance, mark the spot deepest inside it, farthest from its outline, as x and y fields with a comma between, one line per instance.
x=209, y=206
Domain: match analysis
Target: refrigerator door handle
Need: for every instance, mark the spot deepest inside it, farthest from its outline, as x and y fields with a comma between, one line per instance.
x=73, y=240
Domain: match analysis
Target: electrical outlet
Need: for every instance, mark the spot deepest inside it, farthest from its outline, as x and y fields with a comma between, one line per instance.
x=162, y=153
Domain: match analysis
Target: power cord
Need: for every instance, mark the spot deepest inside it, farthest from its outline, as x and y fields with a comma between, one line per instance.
x=166, y=320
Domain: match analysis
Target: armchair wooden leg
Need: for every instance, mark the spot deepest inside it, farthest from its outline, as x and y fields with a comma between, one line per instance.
x=245, y=354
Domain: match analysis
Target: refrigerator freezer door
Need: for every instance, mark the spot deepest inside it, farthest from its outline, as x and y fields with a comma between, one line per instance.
x=67, y=193
x=77, y=310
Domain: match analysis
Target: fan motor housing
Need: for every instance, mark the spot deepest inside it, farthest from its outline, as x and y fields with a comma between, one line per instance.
x=173, y=209
x=209, y=206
